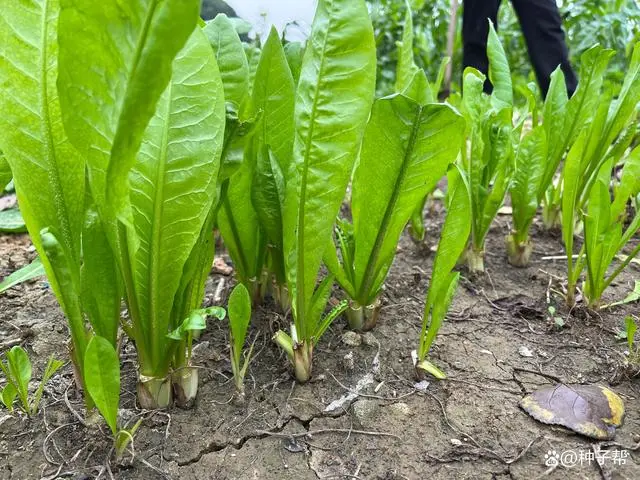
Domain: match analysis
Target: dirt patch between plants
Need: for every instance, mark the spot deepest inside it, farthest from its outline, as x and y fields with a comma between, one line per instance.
x=497, y=345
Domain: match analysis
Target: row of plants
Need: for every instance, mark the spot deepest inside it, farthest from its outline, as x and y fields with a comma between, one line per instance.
x=125, y=166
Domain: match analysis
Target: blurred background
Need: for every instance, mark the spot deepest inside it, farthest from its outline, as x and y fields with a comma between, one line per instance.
x=614, y=24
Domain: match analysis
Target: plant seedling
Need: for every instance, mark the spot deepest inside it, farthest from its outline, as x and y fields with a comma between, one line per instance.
x=239, y=318
x=17, y=371
x=102, y=374
x=338, y=69
x=444, y=281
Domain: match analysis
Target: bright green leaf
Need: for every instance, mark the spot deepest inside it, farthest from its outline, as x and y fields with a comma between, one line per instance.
x=102, y=379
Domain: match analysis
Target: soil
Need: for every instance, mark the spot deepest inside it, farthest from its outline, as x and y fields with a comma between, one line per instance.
x=498, y=343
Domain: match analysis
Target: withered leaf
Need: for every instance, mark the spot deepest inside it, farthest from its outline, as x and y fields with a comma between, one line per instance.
x=590, y=410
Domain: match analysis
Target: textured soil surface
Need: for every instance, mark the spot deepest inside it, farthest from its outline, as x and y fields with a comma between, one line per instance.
x=361, y=417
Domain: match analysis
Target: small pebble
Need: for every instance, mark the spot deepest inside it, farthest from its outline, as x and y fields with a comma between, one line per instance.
x=351, y=338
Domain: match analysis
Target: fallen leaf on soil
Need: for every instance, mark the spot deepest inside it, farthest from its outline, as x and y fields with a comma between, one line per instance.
x=590, y=410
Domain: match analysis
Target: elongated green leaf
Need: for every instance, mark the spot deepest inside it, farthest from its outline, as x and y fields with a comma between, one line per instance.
x=66, y=275
x=239, y=224
x=499, y=73
x=102, y=379
x=530, y=164
x=625, y=106
x=115, y=62
x=554, y=119
x=273, y=96
x=231, y=60
x=406, y=68
x=333, y=100
x=173, y=185
x=629, y=185
x=52, y=367
x=454, y=234
x=339, y=270
x=19, y=373
x=571, y=176
x=405, y=151
x=583, y=104
x=491, y=177
x=11, y=221
x=5, y=172
x=34, y=270
x=294, y=52
x=267, y=194
x=48, y=173
x=100, y=279
x=239, y=317
x=596, y=225
x=439, y=308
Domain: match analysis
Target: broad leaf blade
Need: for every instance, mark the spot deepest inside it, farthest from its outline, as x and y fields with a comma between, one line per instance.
x=102, y=379
x=20, y=371
x=527, y=178
x=405, y=151
x=406, y=68
x=239, y=317
x=231, y=59
x=173, y=185
x=499, y=73
x=122, y=71
x=553, y=115
x=333, y=100
x=100, y=279
x=48, y=173
x=454, y=234
x=274, y=95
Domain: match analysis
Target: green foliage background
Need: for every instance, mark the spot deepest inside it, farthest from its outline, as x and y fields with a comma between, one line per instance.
x=614, y=24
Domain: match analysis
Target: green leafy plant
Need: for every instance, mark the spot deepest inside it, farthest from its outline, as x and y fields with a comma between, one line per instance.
x=271, y=153
x=236, y=216
x=17, y=372
x=599, y=146
x=103, y=384
x=605, y=234
x=530, y=159
x=333, y=100
x=611, y=124
x=239, y=319
x=152, y=134
x=488, y=159
x=444, y=281
x=406, y=149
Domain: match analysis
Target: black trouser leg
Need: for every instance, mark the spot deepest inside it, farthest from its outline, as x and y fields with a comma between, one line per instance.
x=475, y=30
x=542, y=28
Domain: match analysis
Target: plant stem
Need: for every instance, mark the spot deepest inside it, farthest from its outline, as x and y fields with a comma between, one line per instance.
x=302, y=360
x=153, y=392
x=518, y=249
x=475, y=259
x=363, y=319
x=185, y=386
